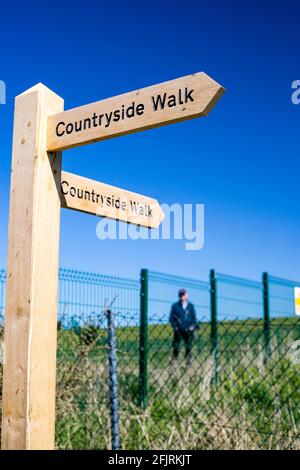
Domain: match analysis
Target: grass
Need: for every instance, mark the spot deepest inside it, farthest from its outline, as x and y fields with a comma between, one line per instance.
x=241, y=396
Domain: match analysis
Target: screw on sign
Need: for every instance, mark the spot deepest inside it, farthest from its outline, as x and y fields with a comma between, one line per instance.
x=42, y=129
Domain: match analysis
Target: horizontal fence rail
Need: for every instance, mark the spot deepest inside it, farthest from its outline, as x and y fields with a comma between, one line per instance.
x=230, y=380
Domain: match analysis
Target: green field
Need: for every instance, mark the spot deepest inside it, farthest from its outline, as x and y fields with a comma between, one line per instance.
x=241, y=397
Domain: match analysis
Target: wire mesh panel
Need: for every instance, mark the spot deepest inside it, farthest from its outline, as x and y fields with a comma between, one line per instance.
x=257, y=391
x=282, y=297
x=284, y=323
x=237, y=389
x=178, y=365
x=83, y=420
x=240, y=316
x=163, y=292
x=83, y=296
x=284, y=351
x=238, y=298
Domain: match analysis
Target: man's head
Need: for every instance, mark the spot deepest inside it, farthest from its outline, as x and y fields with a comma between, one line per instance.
x=182, y=294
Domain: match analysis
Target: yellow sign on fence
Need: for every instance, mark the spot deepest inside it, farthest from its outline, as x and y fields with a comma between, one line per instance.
x=297, y=300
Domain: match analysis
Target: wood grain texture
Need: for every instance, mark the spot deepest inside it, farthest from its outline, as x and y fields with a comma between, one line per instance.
x=28, y=418
x=93, y=197
x=91, y=122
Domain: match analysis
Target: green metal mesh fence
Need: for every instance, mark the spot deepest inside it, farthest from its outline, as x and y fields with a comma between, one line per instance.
x=239, y=388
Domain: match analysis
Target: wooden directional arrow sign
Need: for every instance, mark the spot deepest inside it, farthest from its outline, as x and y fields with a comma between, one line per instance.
x=86, y=195
x=176, y=100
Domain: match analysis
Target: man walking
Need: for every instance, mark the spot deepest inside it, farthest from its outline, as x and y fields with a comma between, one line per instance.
x=184, y=323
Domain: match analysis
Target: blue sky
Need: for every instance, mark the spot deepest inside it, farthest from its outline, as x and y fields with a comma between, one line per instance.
x=242, y=161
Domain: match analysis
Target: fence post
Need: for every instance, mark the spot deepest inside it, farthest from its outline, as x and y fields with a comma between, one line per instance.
x=113, y=381
x=143, y=348
x=266, y=327
x=214, y=323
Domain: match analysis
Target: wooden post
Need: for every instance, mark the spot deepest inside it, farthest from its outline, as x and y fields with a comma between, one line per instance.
x=28, y=420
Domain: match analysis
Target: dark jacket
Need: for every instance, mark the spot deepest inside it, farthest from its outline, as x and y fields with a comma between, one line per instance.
x=183, y=319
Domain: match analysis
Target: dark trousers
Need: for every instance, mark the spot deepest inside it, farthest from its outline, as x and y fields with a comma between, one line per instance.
x=187, y=337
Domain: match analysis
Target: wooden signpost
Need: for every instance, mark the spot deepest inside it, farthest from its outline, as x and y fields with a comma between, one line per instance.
x=38, y=189
x=176, y=100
